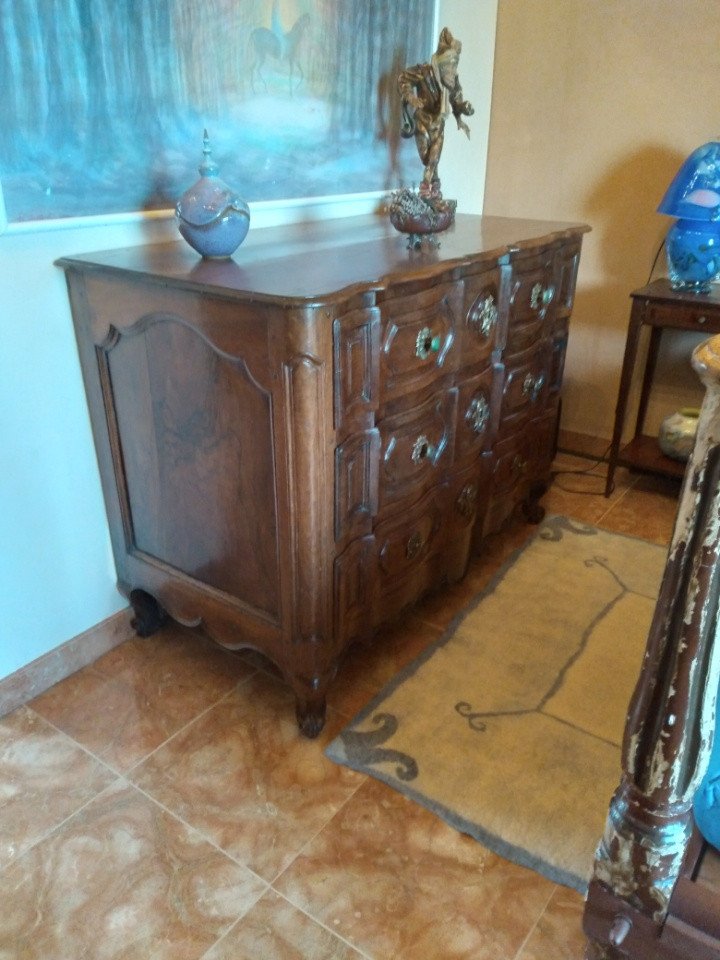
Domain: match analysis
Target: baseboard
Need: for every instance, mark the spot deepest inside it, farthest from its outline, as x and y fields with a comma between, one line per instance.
x=36, y=677
x=583, y=444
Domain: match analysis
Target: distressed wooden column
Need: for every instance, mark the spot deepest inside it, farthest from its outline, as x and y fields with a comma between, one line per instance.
x=672, y=713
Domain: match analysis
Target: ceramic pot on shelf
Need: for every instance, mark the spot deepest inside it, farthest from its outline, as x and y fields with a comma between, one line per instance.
x=677, y=433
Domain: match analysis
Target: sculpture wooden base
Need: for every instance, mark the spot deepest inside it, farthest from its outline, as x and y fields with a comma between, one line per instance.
x=420, y=216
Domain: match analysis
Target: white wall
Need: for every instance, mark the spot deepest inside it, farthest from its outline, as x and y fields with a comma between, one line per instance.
x=56, y=571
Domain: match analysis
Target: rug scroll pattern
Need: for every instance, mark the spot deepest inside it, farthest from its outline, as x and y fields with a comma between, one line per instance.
x=510, y=726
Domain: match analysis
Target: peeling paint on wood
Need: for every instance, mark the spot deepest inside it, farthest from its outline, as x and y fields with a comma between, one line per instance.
x=671, y=718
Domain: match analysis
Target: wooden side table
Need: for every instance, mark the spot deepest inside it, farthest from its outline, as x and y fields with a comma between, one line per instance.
x=656, y=306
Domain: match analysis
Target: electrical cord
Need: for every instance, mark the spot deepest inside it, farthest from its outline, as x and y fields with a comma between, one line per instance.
x=654, y=263
x=599, y=461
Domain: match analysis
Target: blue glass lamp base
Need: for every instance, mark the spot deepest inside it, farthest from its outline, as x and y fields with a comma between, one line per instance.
x=693, y=254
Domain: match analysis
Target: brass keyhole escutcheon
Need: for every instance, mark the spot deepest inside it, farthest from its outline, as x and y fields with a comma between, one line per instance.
x=414, y=546
x=478, y=414
x=484, y=315
x=426, y=343
x=422, y=450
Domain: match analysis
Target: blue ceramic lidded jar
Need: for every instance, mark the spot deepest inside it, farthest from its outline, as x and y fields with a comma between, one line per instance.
x=211, y=217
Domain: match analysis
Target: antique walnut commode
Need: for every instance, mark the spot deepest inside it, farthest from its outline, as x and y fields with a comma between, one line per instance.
x=297, y=444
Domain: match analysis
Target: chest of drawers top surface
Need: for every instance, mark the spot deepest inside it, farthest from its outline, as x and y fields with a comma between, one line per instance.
x=307, y=262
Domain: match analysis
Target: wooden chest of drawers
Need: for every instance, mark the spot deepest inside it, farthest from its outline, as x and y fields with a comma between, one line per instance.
x=296, y=444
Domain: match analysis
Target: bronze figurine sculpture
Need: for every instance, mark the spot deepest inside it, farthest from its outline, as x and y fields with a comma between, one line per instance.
x=429, y=92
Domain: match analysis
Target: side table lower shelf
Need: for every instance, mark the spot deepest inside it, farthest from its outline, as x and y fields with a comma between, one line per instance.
x=643, y=453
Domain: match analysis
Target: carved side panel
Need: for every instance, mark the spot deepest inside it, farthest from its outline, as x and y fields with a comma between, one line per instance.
x=196, y=449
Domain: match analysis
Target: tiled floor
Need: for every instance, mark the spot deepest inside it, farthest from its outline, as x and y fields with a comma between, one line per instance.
x=161, y=804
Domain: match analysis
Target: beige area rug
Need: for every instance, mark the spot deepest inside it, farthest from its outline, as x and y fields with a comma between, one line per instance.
x=510, y=726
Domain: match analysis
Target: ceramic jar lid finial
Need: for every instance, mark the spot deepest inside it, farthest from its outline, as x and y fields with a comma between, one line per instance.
x=208, y=167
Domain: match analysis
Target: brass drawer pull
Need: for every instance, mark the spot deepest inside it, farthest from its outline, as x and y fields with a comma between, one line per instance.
x=533, y=385
x=423, y=450
x=414, y=546
x=519, y=465
x=702, y=319
x=426, y=343
x=478, y=414
x=483, y=315
x=541, y=296
x=465, y=503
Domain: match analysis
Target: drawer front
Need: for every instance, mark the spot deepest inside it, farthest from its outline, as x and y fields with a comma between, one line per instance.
x=418, y=337
x=356, y=485
x=354, y=589
x=533, y=299
x=478, y=412
x=522, y=463
x=356, y=362
x=526, y=382
x=411, y=555
x=511, y=462
x=568, y=260
x=558, y=349
x=700, y=318
x=415, y=446
x=404, y=542
x=484, y=316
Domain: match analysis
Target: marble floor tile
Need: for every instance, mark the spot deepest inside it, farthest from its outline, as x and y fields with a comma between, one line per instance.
x=276, y=930
x=398, y=883
x=646, y=510
x=44, y=778
x=368, y=667
x=121, y=879
x=245, y=777
x=133, y=698
x=558, y=934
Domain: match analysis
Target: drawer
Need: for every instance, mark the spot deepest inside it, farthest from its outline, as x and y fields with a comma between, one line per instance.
x=700, y=318
x=558, y=349
x=354, y=579
x=469, y=497
x=532, y=296
x=356, y=362
x=526, y=381
x=478, y=412
x=568, y=260
x=418, y=338
x=415, y=446
x=356, y=485
x=511, y=462
x=484, y=316
x=404, y=541
x=411, y=555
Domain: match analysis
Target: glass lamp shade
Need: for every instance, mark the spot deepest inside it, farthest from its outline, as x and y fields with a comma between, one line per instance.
x=693, y=242
x=694, y=193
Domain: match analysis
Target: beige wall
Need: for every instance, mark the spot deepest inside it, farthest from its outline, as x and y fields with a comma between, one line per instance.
x=595, y=105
